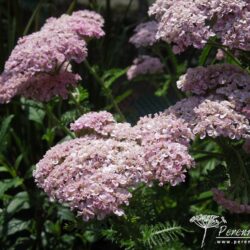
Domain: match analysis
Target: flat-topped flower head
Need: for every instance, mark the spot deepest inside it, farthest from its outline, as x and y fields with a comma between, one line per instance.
x=200, y=80
x=43, y=58
x=144, y=65
x=212, y=116
x=185, y=23
x=93, y=122
x=215, y=117
x=91, y=175
x=95, y=173
x=145, y=34
x=161, y=128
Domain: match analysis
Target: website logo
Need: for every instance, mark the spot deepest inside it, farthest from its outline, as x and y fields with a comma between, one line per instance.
x=228, y=236
x=206, y=222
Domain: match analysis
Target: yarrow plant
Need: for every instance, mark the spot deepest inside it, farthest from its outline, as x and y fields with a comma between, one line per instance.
x=116, y=145
x=160, y=143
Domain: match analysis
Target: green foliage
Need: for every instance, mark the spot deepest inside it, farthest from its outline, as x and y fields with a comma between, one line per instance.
x=161, y=234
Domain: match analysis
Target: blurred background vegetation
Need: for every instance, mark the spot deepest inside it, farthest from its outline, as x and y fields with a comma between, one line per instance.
x=158, y=217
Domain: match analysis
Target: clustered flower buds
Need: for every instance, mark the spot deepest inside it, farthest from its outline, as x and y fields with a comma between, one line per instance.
x=231, y=205
x=192, y=22
x=39, y=66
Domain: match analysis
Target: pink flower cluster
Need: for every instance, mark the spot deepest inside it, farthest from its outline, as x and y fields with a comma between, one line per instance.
x=92, y=175
x=165, y=140
x=231, y=205
x=145, y=34
x=40, y=63
x=200, y=80
x=145, y=65
x=93, y=121
x=212, y=117
x=95, y=173
x=221, y=107
x=192, y=22
x=109, y=159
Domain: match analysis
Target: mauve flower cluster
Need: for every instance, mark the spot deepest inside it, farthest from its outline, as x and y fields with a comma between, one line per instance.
x=200, y=80
x=165, y=141
x=103, y=124
x=93, y=121
x=227, y=81
x=92, y=175
x=233, y=22
x=145, y=34
x=231, y=205
x=221, y=107
x=95, y=173
x=193, y=22
x=212, y=117
x=157, y=135
x=215, y=117
x=40, y=62
x=144, y=65
x=161, y=128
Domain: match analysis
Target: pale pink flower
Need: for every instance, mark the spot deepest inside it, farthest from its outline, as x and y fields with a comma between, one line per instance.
x=185, y=23
x=40, y=62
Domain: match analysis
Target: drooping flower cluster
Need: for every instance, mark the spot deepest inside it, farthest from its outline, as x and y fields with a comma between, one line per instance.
x=231, y=205
x=145, y=34
x=192, y=22
x=93, y=174
x=40, y=63
x=145, y=65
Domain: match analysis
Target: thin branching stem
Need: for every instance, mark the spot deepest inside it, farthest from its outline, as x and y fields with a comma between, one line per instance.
x=106, y=90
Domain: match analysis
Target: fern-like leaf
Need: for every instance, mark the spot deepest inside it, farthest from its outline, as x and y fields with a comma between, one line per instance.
x=161, y=234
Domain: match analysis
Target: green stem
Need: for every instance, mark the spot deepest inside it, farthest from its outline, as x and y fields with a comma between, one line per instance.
x=71, y=7
x=215, y=154
x=172, y=58
x=106, y=90
x=233, y=159
x=227, y=52
x=78, y=106
x=58, y=122
x=32, y=18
